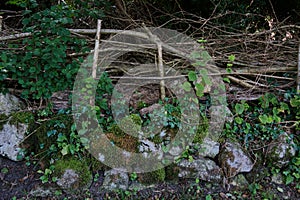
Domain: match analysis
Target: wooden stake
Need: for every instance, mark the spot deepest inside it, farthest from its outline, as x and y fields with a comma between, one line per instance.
x=95, y=58
x=298, y=77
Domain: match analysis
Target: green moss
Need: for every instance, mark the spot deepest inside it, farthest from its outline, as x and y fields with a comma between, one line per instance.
x=202, y=131
x=157, y=139
x=130, y=123
x=152, y=177
x=79, y=166
x=16, y=118
x=3, y=120
x=95, y=164
x=22, y=117
x=172, y=172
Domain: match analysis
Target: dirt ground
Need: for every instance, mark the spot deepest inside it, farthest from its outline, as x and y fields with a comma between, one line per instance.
x=17, y=181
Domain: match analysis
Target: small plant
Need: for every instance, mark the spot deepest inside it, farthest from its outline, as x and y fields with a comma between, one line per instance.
x=133, y=176
x=46, y=174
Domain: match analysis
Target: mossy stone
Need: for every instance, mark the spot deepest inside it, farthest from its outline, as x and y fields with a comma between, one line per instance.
x=80, y=167
x=153, y=177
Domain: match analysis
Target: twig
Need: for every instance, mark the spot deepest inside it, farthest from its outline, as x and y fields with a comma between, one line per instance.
x=242, y=83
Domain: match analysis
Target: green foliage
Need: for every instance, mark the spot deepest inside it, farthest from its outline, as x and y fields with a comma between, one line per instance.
x=47, y=174
x=103, y=92
x=40, y=63
x=257, y=122
x=295, y=103
x=43, y=66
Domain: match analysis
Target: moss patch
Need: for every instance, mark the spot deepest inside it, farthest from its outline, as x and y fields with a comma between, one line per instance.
x=126, y=142
x=22, y=117
x=172, y=172
x=156, y=176
x=131, y=123
x=3, y=120
x=202, y=131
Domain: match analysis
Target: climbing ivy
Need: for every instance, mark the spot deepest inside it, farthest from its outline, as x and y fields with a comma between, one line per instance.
x=41, y=64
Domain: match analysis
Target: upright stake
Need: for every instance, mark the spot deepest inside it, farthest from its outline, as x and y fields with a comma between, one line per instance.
x=298, y=77
x=95, y=57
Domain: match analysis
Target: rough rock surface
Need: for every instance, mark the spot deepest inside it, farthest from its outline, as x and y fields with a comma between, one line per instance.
x=233, y=160
x=115, y=179
x=202, y=168
x=11, y=134
x=10, y=138
x=68, y=179
x=282, y=150
x=9, y=103
x=209, y=148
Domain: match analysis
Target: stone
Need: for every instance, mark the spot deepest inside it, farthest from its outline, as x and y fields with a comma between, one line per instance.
x=10, y=138
x=240, y=181
x=281, y=151
x=41, y=192
x=12, y=127
x=209, y=148
x=115, y=179
x=202, y=168
x=219, y=114
x=234, y=160
x=9, y=103
x=277, y=178
x=68, y=178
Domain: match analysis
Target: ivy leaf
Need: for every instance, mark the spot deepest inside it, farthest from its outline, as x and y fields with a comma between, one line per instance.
x=187, y=86
x=263, y=118
x=205, y=78
x=4, y=57
x=238, y=120
x=289, y=179
x=65, y=150
x=295, y=102
x=239, y=108
x=192, y=76
x=195, y=55
x=199, y=89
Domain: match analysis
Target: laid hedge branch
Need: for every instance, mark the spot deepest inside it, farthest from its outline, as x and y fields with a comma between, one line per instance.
x=256, y=53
